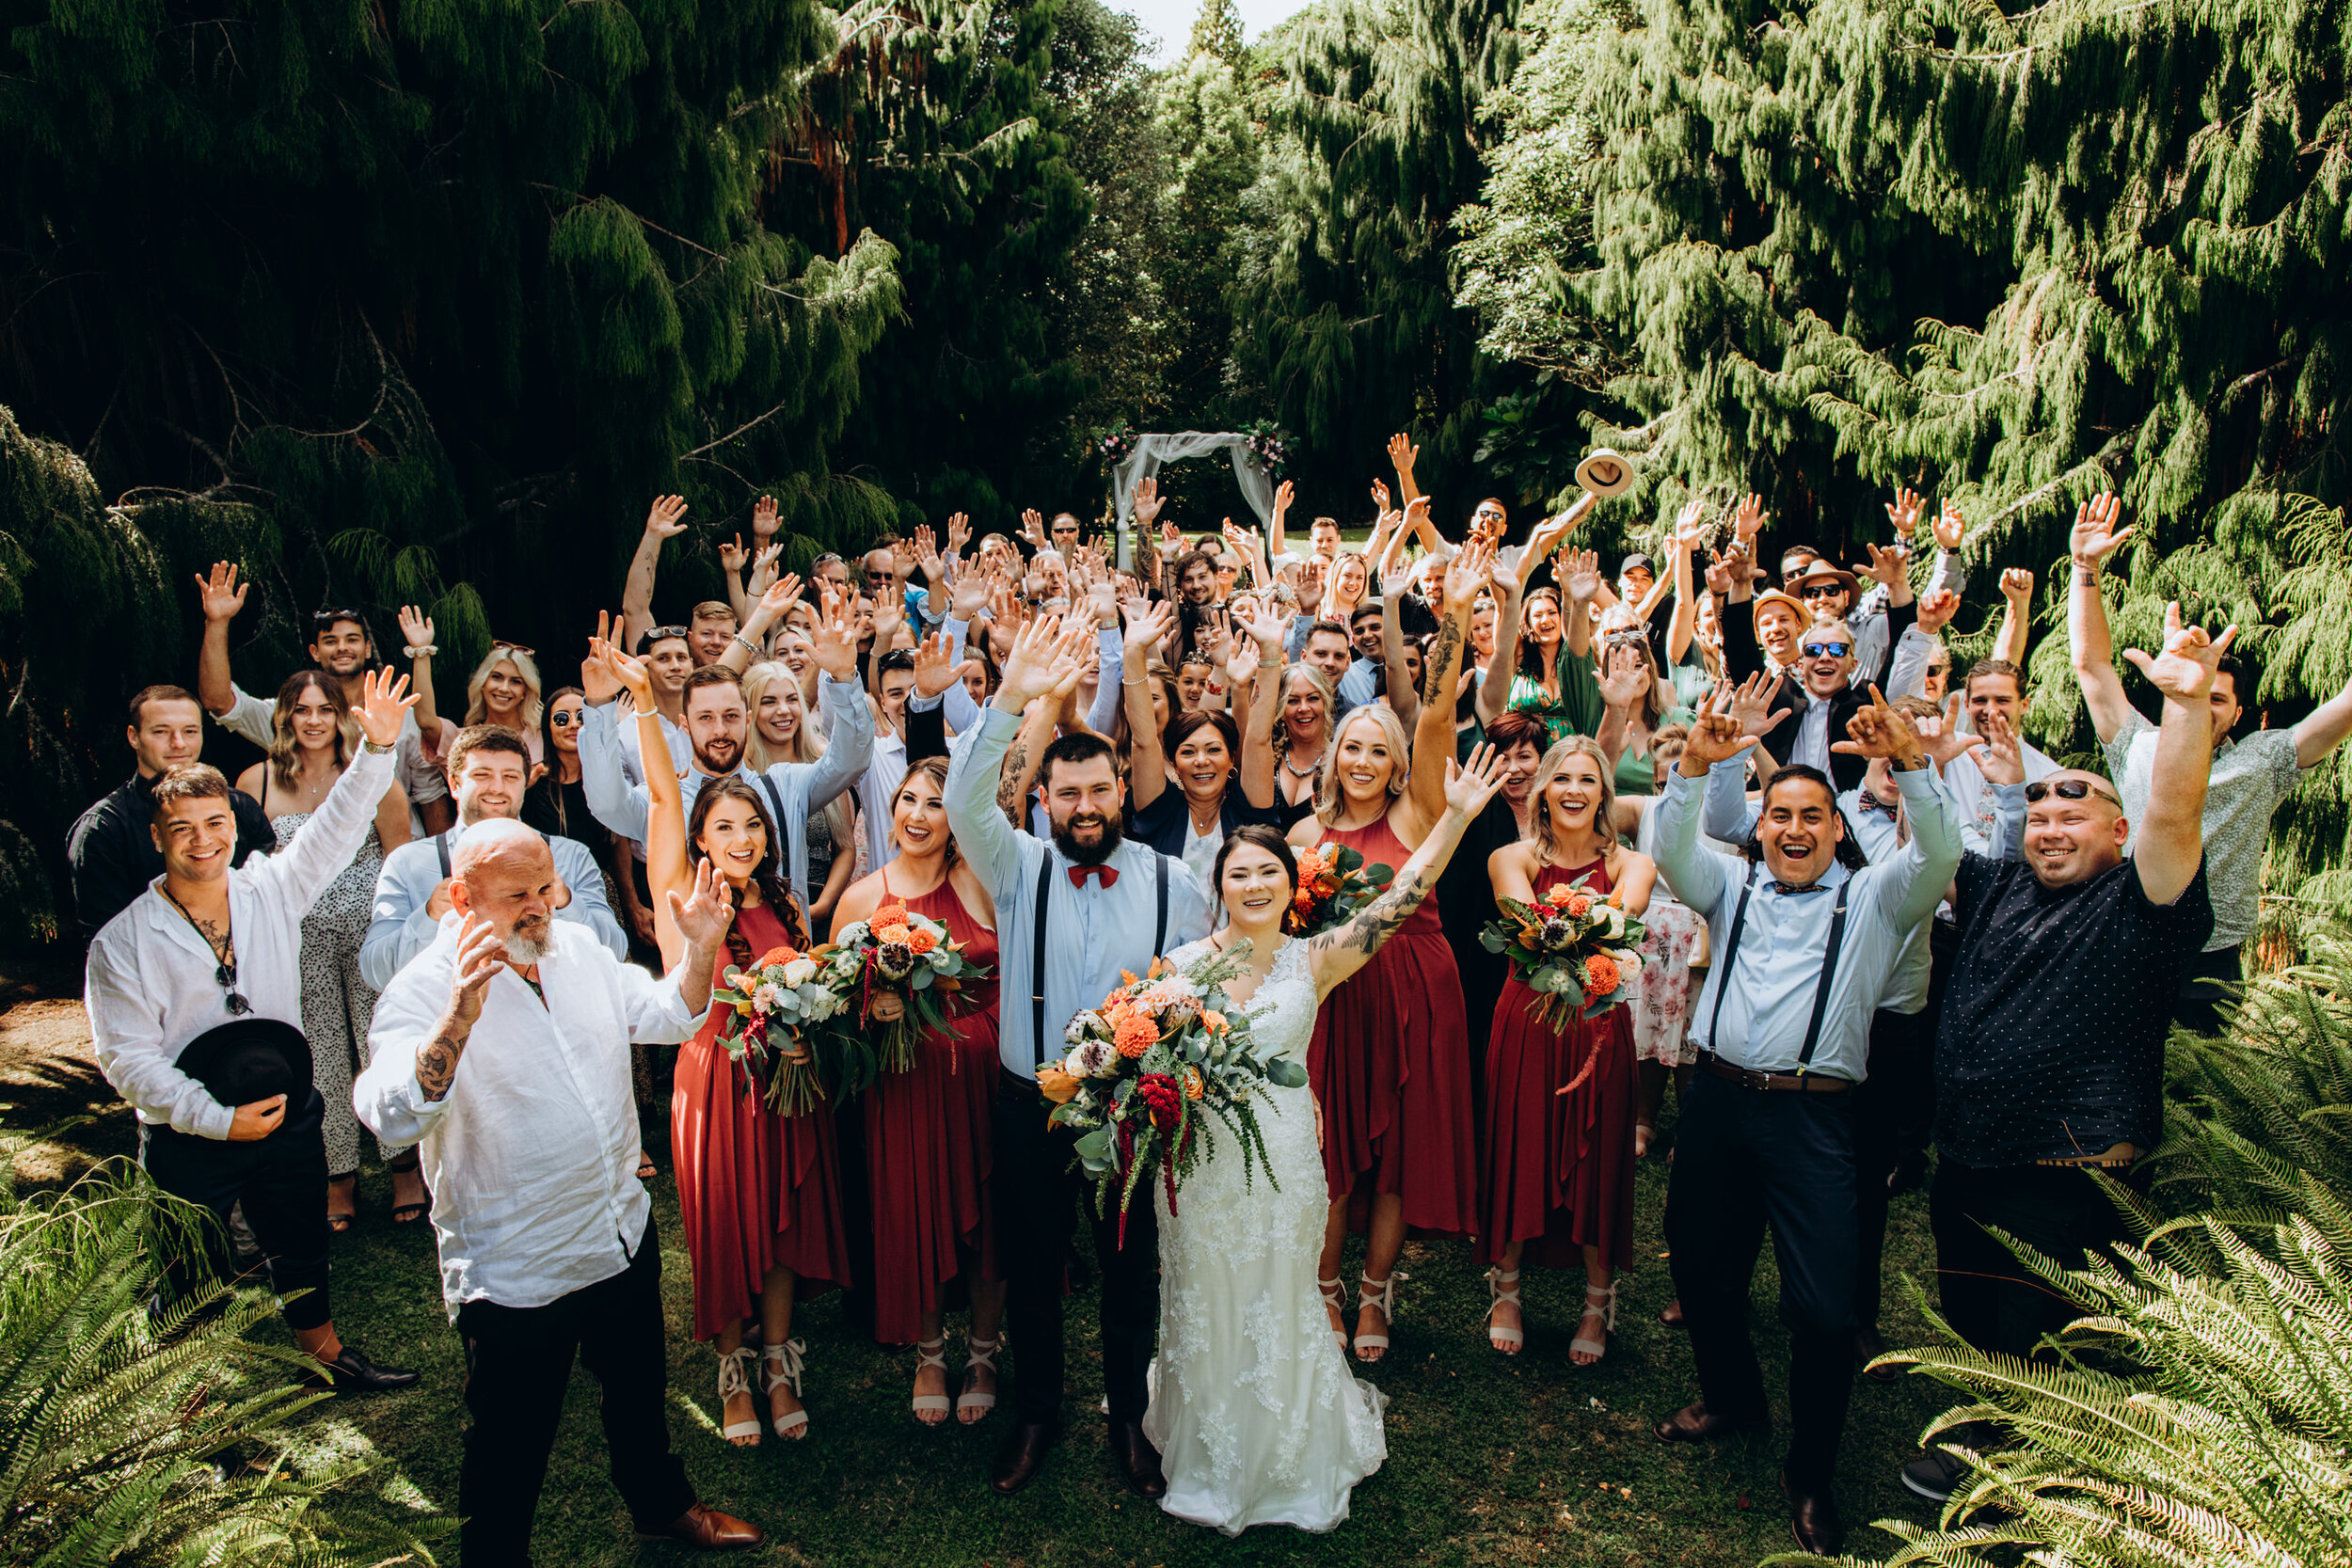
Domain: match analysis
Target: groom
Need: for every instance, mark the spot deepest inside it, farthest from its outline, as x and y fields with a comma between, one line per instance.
x=1068, y=918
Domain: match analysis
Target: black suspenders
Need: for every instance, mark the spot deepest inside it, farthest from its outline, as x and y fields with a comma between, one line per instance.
x=440, y=841
x=1820, y=992
x=1037, y=948
x=784, y=843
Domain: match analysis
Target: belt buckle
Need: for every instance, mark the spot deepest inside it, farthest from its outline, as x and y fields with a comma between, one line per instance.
x=1752, y=1078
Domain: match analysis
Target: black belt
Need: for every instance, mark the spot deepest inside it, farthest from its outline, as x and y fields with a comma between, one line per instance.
x=1748, y=1078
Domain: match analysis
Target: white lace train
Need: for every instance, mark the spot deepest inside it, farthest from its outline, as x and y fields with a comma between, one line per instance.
x=1256, y=1415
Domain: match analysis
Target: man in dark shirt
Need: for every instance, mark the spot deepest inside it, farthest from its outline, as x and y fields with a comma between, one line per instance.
x=113, y=853
x=2050, y=1049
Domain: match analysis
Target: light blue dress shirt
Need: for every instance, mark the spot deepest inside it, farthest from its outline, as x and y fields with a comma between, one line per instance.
x=399, y=928
x=1092, y=931
x=1779, y=962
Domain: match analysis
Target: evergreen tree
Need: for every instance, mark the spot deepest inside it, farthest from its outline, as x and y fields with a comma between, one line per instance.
x=1217, y=32
x=1203, y=115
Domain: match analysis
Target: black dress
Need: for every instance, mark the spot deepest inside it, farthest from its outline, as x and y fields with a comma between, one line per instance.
x=1466, y=904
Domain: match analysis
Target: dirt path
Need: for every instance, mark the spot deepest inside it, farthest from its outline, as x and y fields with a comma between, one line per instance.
x=48, y=1076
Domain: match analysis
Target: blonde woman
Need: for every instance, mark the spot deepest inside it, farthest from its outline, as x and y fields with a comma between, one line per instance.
x=504, y=689
x=779, y=732
x=312, y=740
x=1302, y=739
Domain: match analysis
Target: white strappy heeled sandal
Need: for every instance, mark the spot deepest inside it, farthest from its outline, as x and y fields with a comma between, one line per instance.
x=782, y=1365
x=930, y=1353
x=1384, y=1299
x=1334, y=1294
x=1505, y=1339
x=1607, y=1307
x=978, y=1352
x=734, y=1377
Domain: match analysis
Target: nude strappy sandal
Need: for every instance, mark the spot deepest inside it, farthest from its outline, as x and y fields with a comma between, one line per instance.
x=929, y=1353
x=978, y=1352
x=1384, y=1299
x=734, y=1377
x=1335, y=1297
x=783, y=1365
x=1607, y=1307
x=1507, y=1340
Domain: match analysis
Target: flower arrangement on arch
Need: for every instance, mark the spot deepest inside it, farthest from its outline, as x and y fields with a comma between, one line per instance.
x=1575, y=948
x=1269, y=444
x=1115, y=444
x=894, y=952
x=1142, y=1069
x=771, y=1034
x=1334, y=885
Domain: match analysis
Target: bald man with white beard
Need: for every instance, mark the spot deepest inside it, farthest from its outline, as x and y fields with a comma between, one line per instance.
x=503, y=1049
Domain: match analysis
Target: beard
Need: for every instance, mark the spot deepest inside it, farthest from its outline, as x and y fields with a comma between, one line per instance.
x=1082, y=854
x=719, y=754
x=527, y=943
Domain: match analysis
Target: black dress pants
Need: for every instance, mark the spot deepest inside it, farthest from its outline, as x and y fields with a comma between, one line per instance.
x=518, y=1366
x=1748, y=1162
x=282, y=1180
x=1037, y=1195
x=1885, y=1107
x=1988, y=1296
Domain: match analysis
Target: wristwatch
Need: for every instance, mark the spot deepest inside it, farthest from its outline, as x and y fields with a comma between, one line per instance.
x=373, y=749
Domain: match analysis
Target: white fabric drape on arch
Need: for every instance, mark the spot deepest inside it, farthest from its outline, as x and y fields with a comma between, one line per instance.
x=1257, y=485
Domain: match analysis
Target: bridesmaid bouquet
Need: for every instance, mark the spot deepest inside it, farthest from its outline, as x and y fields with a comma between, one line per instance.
x=1334, y=883
x=1574, y=948
x=895, y=953
x=776, y=1005
x=1143, y=1067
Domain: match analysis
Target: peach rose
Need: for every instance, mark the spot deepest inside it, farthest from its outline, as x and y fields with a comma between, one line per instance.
x=1213, y=1021
x=892, y=935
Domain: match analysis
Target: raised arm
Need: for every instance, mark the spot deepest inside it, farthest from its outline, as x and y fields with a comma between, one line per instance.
x=1494, y=692
x=1695, y=873
x=666, y=867
x=733, y=557
x=1432, y=733
x=323, y=847
x=1579, y=579
x=2324, y=729
x=1342, y=951
x=987, y=840
x=2090, y=643
x=2016, y=616
x=1916, y=881
x=2168, y=842
x=1147, y=766
x=774, y=602
x=1689, y=530
x=849, y=719
x=1265, y=663
x=1275, y=543
x=1403, y=698
x=666, y=517
x=1401, y=457
x=221, y=595
x=415, y=636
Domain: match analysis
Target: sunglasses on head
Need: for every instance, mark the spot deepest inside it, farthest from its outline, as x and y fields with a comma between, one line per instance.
x=321, y=620
x=1822, y=590
x=513, y=648
x=1827, y=650
x=660, y=634
x=2068, y=789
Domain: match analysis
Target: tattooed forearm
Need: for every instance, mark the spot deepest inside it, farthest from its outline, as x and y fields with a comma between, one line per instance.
x=436, y=1060
x=1381, y=917
x=1011, y=780
x=1438, y=674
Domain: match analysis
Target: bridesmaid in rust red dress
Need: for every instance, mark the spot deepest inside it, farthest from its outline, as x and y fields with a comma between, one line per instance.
x=1389, y=1062
x=927, y=1130
x=759, y=1195
x=1558, y=1166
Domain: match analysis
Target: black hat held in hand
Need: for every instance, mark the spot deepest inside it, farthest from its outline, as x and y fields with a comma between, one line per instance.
x=248, y=1059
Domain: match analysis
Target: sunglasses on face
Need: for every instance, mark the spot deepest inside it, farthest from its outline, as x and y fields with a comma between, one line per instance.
x=1827, y=650
x=562, y=721
x=1823, y=590
x=1939, y=669
x=2068, y=789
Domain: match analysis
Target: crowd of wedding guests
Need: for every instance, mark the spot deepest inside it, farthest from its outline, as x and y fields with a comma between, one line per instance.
x=471, y=927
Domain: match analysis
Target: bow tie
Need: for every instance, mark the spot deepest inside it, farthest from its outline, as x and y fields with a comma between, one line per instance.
x=1871, y=803
x=1078, y=875
x=1792, y=888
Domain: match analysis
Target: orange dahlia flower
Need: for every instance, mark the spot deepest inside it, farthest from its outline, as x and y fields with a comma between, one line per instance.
x=784, y=954
x=921, y=939
x=1579, y=907
x=1133, y=1033
x=1600, y=975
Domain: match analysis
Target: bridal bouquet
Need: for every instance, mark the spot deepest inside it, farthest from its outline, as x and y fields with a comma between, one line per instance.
x=1574, y=948
x=1333, y=884
x=893, y=952
x=1143, y=1067
x=775, y=1005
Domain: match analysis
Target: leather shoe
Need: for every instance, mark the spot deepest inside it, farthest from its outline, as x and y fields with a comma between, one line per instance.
x=1021, y=1457
x=1139, y=1461
x=1693, y=1423
x=1868, y=1347
x=707, y=1529
x=1813, y=1520
x=352, y=1373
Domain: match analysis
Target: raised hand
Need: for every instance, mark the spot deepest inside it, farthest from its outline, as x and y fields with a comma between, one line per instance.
x=598, y=683
x=480, y=952
x=1402, y=454
x=703, y=917
x=833, y=637
x=416, y=629
x=2017, y=588
x=1719, y=577
x=2000, y=758
x=1241, y=664
x=1902, y=512
x=1033, y=528
x=1751, y=705
x=958, y=534
x=1941, y=737
x=1690, y=527
x=902, y=562
x=968, y=600
x=1466, y=573
x=765, y=522
x=1468, y=788
x=1624, y=677
x=1379, y=497
x=667, y=516
x=934, y=670
x=1936, y=611
x=1147, y=502
x=1950, y=527
x=1748, y=520
x=1102, y=601
x=781, y=595
x=1888, y=563
x=621, y=672
x=382, y=708
x=221, y=595
x=1579, y=576
x=2094, y=536
x=732, y=555
x=1879, y=730
x=1715, y=736
x=2183, y=671
x=1029, y=670
x=1284, y=493
x=927, y=556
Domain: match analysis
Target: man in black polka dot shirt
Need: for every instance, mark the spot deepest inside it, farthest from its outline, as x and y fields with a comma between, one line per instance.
x=2050, y=1049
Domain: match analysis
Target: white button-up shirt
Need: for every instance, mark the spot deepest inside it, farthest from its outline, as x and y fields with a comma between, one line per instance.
x=150, y=987
x=531, y=1155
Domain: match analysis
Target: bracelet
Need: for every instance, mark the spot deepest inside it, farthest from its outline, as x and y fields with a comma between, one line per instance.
x=746, y=644
x=422, y=650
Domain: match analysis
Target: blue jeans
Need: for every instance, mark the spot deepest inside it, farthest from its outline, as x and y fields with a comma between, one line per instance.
x=1747, y=1161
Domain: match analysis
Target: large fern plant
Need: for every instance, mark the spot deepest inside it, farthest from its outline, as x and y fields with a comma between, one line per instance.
x=112, y=1419
x=2200, y=1410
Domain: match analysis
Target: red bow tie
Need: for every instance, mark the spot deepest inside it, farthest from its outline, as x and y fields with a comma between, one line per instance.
x=1078, y=875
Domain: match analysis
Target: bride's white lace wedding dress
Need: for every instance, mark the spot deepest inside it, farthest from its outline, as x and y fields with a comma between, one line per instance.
x=1256, y=1415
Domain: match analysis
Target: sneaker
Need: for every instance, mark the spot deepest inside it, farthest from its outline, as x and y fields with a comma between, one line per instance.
x=1935, y=1474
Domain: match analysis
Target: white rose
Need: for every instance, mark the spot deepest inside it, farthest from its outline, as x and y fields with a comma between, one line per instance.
x=799, y=972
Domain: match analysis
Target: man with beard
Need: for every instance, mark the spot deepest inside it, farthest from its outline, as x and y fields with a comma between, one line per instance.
x=1810, y=937
x=503, y=1050
x=339, y=647
x=1070, y=916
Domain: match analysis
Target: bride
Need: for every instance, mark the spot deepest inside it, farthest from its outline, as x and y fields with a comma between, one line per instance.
x=1253, y=1409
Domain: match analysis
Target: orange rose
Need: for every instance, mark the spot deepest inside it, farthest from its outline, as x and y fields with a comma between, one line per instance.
x=1056, y=1084
x=1213, y=1021
x=1558, y=895
x=897, y=936
x=920, y=940
x=1600, y=975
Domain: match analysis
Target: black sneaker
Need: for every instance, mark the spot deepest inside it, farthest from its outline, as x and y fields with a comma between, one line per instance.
x=1935, y=1474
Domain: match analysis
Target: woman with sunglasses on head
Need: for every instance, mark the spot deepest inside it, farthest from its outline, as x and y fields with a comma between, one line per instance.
x=782, y=730
x=929, y=1129
x=759, y=1194
x=1389, y=1062
x=504, y=689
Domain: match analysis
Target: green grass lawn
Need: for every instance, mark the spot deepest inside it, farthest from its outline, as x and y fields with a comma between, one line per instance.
x=1491, y=1460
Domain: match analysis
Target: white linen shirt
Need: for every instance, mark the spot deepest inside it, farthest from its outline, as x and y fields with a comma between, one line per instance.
x=531, y=1155
x=150, y=988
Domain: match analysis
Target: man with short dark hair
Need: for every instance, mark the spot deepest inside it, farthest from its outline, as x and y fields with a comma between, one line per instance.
x=113, y=855
x=1322, y=537
x=1085, y=907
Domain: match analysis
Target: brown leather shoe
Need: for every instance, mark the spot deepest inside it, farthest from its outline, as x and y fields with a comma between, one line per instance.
x=1672, y=1317
x=1021, y=1457
x=1813, y=1520
x=1139, y=1461
x=707, y=1529
x=1693, y=1423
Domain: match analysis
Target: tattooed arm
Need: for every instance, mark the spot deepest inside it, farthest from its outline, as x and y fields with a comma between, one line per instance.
x=1433, y=734
x=480, y=952
x=1342, y=951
